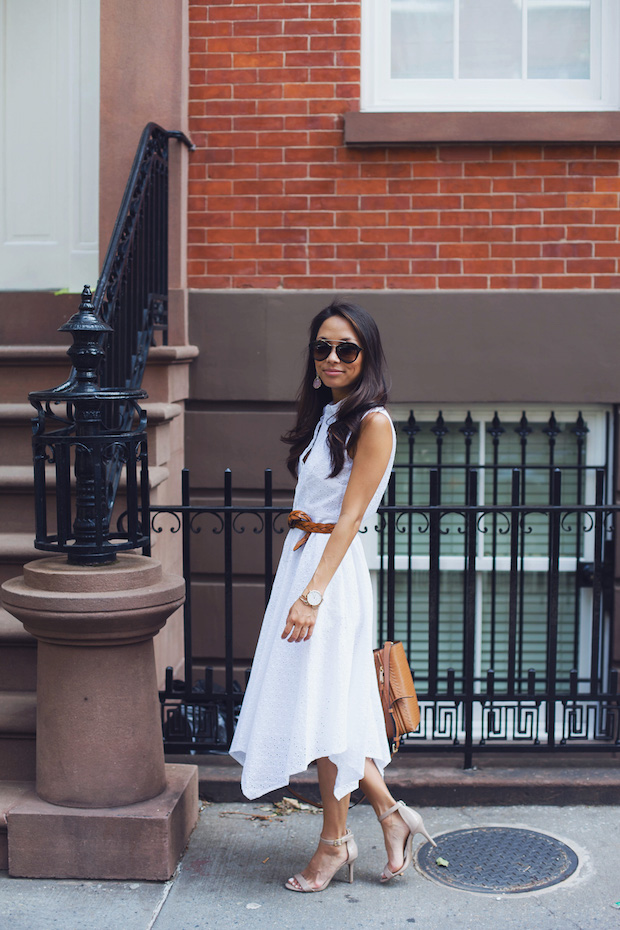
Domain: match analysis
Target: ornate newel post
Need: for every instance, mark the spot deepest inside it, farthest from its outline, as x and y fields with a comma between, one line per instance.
x=106, y=805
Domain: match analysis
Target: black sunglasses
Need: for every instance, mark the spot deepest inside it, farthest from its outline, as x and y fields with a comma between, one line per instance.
x=347, y=352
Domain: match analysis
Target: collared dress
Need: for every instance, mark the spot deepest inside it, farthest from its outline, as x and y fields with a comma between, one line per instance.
x=316, y=698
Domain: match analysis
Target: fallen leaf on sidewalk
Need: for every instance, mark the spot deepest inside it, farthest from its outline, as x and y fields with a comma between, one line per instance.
x=443, y=862
x=289, y=805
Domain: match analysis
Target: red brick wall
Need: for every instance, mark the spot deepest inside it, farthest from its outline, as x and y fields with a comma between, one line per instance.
x=277, y=200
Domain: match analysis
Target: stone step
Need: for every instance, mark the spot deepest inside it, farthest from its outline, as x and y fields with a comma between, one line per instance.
x=31, y=368
x=16, y=432
x=18, y=717
x=18, y=713
x=16, y=495
x=15, y=550
x=11, y=792
x=18, y=655
x=25, y=368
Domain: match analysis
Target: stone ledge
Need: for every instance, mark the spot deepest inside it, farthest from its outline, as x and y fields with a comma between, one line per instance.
x=432, y=127
x=172, y=355
x=425, y=780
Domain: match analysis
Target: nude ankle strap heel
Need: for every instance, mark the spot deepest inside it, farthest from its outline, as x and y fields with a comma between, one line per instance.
x=415, y=824
x=346, y=840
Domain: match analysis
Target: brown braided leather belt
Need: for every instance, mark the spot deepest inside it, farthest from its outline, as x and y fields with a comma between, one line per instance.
x=299, y=520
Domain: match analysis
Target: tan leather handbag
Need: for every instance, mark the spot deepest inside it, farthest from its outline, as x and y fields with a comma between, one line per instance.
x=398, y=697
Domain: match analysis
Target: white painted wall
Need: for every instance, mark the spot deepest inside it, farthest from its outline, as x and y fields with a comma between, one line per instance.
x=49, y=144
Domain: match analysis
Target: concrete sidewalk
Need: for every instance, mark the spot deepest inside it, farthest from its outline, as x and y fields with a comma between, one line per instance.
x=233, y=871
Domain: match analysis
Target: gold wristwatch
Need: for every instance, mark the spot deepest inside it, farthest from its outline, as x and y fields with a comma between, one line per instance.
x=311, y=599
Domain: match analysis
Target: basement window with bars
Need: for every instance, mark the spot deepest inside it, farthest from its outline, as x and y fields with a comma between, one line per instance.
x=437, y=454
x=490, y=55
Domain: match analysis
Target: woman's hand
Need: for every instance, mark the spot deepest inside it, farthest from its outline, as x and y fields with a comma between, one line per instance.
x=299, y=623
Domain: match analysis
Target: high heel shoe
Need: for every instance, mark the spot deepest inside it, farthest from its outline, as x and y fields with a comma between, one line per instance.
x=346, y=840
x=416, y=825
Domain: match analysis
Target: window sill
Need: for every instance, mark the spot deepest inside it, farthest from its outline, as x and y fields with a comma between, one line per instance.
x=433, y=127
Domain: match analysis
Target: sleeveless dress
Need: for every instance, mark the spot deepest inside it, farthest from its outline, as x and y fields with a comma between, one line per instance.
x=320, y=697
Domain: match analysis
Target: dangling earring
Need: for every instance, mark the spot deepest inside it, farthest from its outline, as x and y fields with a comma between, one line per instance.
x=316, y=384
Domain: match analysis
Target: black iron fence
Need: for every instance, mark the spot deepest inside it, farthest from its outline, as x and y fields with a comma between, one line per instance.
x=499, y=584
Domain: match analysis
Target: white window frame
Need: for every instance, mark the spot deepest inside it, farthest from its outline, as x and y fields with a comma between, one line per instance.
x=382, y=93
x=596, y=454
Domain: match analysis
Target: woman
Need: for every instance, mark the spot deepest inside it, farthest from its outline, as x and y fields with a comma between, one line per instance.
x=313, y=693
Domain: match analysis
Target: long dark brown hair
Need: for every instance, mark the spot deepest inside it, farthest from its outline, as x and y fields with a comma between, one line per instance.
x=370, y=391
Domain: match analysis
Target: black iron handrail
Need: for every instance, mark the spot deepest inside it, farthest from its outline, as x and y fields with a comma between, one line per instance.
x=132, y=291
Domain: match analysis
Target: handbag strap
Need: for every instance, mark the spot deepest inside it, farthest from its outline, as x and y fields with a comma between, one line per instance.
x=388, y=704
x=386, y=674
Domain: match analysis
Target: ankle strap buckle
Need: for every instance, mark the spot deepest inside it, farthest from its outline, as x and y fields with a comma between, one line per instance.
x=341, y=841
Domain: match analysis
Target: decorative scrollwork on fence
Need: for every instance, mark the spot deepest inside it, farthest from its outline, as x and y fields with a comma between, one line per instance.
x=409, y=516
x=238, y=528
x=217, y=516
x=280, y=518
x=159, y=515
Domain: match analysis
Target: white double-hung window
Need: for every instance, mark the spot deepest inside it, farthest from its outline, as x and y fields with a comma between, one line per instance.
x=522, y=55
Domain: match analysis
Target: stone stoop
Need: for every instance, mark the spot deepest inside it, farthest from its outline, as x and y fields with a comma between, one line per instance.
x=28, y=367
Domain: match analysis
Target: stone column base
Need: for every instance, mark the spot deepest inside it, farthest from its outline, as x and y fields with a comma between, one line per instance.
x=141, y=841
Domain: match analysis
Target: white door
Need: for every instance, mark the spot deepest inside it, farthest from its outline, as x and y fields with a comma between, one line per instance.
x=49, y=144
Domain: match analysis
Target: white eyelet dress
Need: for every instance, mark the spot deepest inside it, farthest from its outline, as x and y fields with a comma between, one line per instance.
x=320, y=697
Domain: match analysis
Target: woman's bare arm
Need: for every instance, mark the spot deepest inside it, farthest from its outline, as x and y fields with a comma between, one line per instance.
x=374, y=448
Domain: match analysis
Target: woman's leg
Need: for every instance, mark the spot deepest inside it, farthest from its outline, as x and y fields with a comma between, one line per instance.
x=395, y=830
x=334, y=812
x=327, y=859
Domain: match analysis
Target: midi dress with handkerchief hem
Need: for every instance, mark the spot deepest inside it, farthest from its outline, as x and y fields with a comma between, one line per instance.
x=316, y=698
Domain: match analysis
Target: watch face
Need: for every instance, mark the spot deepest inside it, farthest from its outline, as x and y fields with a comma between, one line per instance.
x=314, y=598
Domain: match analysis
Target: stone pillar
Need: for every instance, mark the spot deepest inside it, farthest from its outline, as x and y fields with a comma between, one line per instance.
x=106, y=805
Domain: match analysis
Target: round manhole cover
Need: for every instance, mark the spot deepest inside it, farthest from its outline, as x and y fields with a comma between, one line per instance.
x=497, y=859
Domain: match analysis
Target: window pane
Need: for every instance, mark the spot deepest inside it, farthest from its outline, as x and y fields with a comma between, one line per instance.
x=411, y=623
x=413, y=487
x=531, y=628
x=422, y=38
x=490, y=38
x=558, y=39
x=535, y=539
